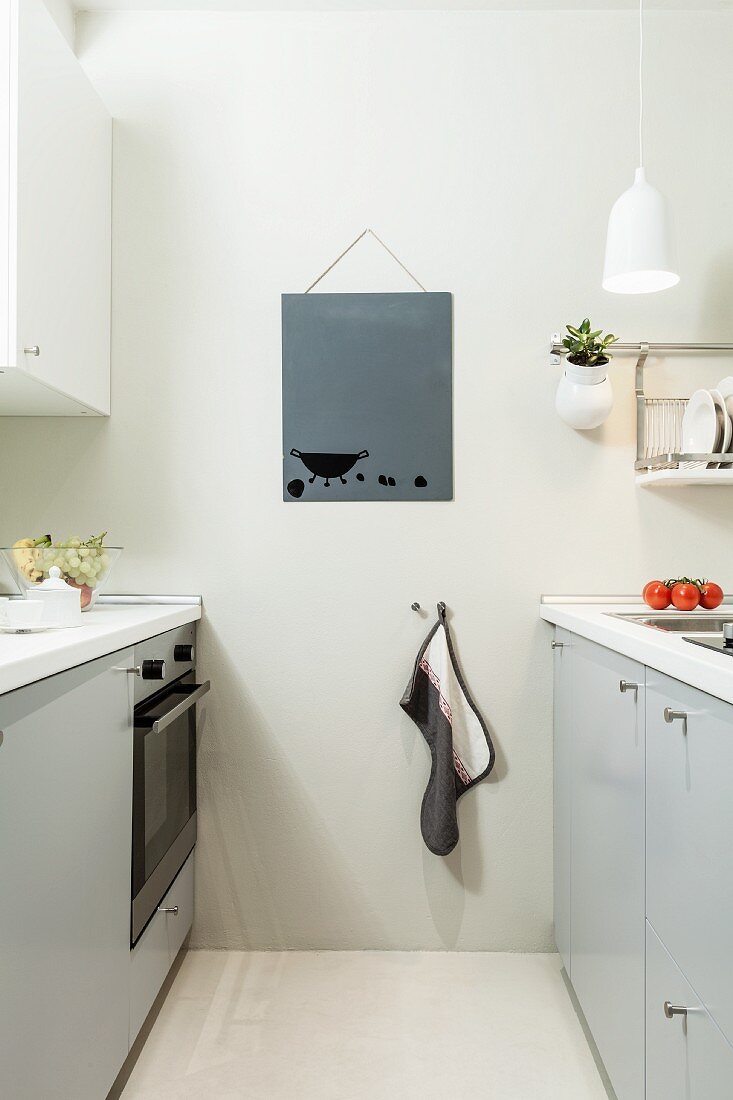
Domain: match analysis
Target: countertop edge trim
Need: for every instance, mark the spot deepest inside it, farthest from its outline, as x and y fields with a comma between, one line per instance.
x=195, y=601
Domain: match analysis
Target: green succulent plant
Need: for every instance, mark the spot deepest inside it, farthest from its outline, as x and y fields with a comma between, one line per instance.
x=585, y=349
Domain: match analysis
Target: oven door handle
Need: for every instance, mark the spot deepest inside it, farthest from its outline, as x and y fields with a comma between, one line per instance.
x=193, y=693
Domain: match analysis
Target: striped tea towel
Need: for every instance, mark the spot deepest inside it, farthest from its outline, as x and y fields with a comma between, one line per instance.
x=439, y=704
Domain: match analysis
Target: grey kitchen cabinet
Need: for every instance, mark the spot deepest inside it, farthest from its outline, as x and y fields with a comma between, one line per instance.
x=562, y=755
x=642, y=848
x=607, y=857
x=65, y=851
x=687, y=1056
x=150, y=961
x=689, y=815
x=156, y=950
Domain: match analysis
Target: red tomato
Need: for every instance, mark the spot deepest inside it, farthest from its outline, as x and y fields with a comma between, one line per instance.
x=685, y=597
x=657, y=595
x=711, y=596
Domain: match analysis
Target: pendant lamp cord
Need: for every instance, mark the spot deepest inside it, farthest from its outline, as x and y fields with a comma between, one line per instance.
x=641, y=83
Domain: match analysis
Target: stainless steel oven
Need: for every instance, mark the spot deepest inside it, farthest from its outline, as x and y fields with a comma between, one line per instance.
x=164, y=768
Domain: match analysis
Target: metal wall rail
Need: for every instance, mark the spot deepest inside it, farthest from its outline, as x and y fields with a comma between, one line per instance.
x=556, y=347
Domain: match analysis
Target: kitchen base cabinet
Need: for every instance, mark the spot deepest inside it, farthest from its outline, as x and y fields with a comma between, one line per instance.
x=562, y=752
x=65, y=852
x=689, y=815
x=687, y=1056
x=607, y=857
x=643, y=761
x=156, y=950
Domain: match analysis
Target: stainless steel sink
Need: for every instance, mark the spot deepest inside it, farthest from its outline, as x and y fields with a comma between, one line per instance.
x=677, y=622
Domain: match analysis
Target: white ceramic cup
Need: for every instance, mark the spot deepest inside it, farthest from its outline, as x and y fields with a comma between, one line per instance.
x=23, y=613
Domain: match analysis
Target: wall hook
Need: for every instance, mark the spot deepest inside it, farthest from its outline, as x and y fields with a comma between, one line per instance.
x=415, y=606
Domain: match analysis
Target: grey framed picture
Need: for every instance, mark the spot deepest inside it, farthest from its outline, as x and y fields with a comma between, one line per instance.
x=367, y=391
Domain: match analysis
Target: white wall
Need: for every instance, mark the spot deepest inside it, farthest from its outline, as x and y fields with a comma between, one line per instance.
x=63, y=13
x=486, y=149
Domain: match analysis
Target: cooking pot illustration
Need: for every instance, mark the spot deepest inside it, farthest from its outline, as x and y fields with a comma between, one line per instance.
x=328, y=465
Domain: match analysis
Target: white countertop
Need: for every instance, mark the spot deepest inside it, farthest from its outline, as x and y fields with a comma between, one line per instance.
x=25, y=658
x=668, y=653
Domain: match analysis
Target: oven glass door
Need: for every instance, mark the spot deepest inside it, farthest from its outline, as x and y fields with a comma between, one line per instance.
x=164, y=794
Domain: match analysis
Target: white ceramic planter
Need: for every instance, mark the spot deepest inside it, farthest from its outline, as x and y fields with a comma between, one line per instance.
x=584, y=396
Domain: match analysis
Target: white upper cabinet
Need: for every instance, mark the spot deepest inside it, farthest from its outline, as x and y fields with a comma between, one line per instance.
x=55, y=228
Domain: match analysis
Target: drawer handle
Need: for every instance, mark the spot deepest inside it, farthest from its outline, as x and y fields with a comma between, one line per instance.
x=671, y=1010
x=168, y=909
x=676, y=716
x=626, y=685
x=557, y=645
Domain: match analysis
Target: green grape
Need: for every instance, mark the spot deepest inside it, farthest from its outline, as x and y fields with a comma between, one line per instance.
x=79, y=561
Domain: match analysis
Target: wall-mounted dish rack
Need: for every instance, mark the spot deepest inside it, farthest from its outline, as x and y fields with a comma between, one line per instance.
x=660, y=459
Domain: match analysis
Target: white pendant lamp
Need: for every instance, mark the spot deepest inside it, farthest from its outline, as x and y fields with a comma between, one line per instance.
x=640, y=253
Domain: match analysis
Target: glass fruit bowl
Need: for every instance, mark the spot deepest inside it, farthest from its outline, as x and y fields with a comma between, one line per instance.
x=84, y=565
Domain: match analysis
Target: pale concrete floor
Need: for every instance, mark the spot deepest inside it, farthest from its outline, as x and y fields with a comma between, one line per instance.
x=366, y=1026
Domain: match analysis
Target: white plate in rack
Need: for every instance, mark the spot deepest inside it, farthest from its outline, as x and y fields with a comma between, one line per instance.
x=725, y=388
x=700, y=424
x=725, y=429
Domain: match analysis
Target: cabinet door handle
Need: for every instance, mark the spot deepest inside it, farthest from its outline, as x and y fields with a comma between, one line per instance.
x=676, y=716
x=168, y=909
x=557, y=645
x=671, y=1010
x=35, y=350
x=626, y=685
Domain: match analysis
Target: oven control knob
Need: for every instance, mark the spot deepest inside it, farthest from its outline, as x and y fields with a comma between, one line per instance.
x=183, y=653
x=728, y=633
x=153, y=670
